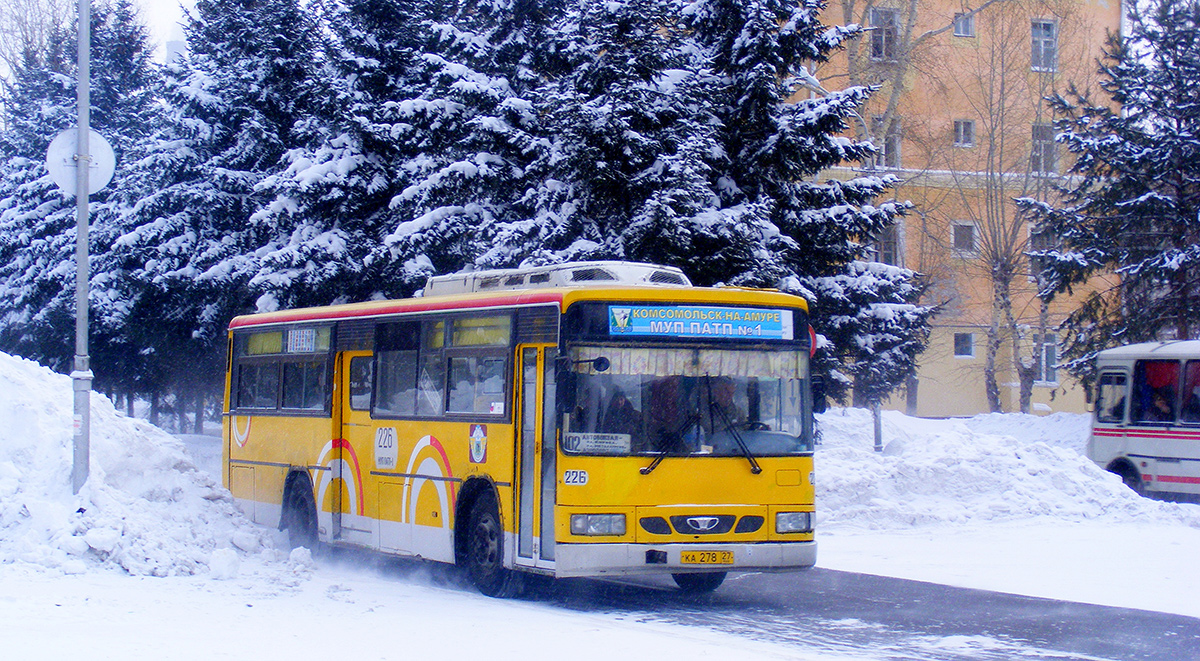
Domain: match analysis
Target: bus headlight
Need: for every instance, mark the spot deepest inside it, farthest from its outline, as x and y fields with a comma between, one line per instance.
x=597, y=524
x=789, y=522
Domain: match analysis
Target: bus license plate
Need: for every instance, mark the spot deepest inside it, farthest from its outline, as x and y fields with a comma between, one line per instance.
x=706, y=557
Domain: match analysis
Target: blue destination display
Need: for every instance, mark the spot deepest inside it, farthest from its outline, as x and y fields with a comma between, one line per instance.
x=700, y=321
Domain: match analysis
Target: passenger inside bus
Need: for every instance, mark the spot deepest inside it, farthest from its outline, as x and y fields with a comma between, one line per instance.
x=1160, y=410
x=1155, y=384
x=622, y=418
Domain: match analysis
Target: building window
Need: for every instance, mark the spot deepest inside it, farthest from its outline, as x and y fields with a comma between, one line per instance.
x=964, y=25
x=887, y=246
x=1042, y=154
x=1040, y=240
x=1047, y=348
x=885, y=34
x=964, y=133
x=964, y=345
x=888, y=146
x=963, y=238
x=1044, y=45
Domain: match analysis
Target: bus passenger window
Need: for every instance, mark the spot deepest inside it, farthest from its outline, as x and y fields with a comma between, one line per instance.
x=304, y=385
x=1155, y=390
x=258, y=385
x=1190, y=412
x=397, y=383
x=397, y=351
x=1110, y=398
x=431, y=385
x=360, y=382
x=477, y=385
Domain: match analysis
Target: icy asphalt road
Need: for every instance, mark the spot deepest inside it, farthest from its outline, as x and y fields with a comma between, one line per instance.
x=895, y=619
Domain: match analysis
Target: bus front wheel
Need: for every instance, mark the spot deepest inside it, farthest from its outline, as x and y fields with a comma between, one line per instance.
x=485, y=551
x=699, y=583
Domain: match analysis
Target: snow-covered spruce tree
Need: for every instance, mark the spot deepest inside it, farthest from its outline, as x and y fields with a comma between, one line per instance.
x=37, y=221
x=1132, y=204
x=33, y=212
x=809, y=234
x=623, y=170
x=868, y=316
x=185, y=243
x=475, y=129
x=348, y=164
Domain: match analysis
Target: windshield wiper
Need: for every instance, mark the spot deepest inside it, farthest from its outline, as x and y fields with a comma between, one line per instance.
x=730, y=427
x=646, y=470
x=669, y=442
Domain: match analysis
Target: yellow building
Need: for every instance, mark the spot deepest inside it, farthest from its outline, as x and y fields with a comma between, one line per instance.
x=960, y=119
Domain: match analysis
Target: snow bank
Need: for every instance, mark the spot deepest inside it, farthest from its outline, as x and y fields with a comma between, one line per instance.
x=969, y=471
x=146, y=509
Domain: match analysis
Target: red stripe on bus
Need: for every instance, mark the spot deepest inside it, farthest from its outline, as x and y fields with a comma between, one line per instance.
x=358, y=481
x=437, y=445
x=1179, y=479
x=1136, y=433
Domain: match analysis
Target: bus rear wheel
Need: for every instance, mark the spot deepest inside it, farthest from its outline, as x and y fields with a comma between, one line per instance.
x=485, y=551
x=300, y=516
x=699, y=583
x=1129, y=475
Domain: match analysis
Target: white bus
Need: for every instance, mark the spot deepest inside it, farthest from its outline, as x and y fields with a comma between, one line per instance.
x=1147, y=423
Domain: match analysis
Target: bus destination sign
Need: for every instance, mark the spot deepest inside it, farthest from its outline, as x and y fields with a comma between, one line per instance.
x=700, y=321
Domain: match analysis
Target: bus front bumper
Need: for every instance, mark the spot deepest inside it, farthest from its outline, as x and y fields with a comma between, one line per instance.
x=575, y=560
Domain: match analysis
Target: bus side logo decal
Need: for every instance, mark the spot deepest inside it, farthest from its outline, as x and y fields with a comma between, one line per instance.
x=436, y=466
x=478, y=444
x=239, y=436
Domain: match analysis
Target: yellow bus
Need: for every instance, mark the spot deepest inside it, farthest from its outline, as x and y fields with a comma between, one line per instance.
x=583, y=419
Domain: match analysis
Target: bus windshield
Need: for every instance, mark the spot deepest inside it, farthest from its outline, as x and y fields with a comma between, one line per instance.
x=686, y=402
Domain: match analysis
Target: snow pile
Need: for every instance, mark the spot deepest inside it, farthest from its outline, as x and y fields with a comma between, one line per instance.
x=145, y=509
x=977, y=470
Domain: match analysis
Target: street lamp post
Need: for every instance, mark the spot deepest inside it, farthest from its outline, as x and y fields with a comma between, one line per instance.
x=81, y=375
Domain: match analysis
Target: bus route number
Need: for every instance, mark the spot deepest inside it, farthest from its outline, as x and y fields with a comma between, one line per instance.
x=575, y=477
x=385, y=448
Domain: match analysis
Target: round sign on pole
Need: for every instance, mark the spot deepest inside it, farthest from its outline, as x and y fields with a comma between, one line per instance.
x=62, y=156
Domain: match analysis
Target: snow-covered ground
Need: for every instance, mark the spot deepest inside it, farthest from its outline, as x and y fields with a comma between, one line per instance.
x=152, y=560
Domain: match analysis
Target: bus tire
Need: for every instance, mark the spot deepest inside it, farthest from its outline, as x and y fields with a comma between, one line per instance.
x=485, y=550
x=699, y=583
x=300, y=515
x=1129, y=475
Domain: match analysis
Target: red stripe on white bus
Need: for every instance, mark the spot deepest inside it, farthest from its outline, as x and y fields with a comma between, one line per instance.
x=1177, y=479
x=1140, y=433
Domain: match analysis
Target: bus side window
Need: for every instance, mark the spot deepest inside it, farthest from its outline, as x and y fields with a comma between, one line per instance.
x=1110, y=398
x=1155, y=391
x=1190, y=412
x=397, y=350
x=361, y=380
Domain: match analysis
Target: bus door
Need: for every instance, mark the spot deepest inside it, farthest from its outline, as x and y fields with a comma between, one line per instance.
x=354, y=452
x=536, y=454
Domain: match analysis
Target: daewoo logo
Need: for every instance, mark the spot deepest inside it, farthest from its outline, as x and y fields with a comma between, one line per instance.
x=702, y=523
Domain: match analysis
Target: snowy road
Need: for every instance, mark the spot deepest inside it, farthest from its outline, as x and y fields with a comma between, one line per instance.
x=894, y=619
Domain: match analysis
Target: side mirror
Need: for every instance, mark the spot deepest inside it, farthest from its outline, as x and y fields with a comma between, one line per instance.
x=820, y=402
